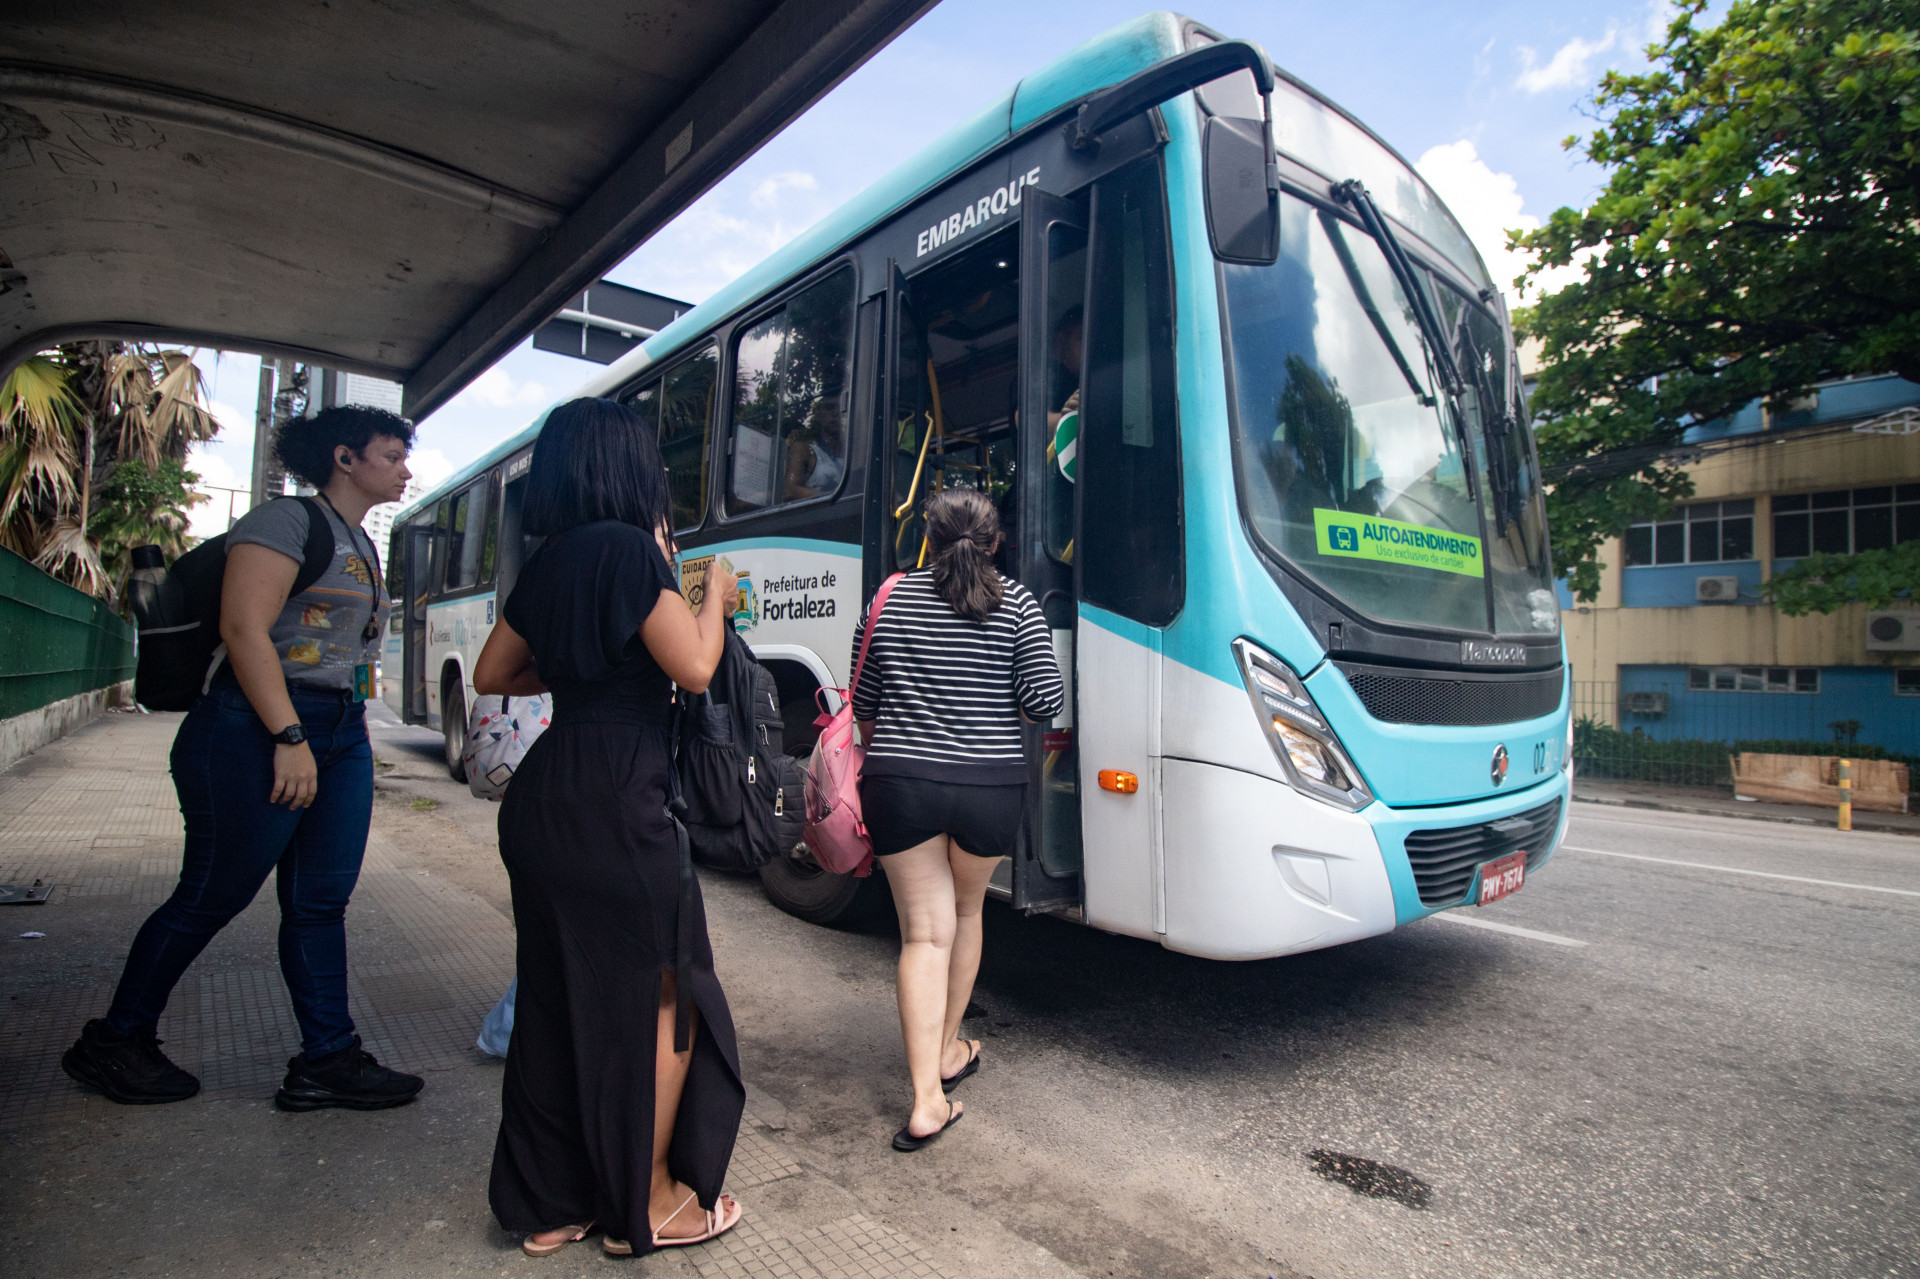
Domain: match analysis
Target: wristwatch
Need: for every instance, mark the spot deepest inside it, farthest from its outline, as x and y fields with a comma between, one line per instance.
x=291, y=735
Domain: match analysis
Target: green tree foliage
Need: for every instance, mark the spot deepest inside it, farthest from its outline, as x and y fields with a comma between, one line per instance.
x=71, y=420
x=142, y=504
x=1823, y=583
x=1757, y=234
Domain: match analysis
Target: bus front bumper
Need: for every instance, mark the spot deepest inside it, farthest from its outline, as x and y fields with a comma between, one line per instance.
x=1253, y=869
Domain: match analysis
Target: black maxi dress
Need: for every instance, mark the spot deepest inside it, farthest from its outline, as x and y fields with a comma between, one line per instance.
x=597, y=892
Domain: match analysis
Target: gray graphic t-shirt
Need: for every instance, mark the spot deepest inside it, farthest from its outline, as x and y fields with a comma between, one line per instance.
x=321, y=633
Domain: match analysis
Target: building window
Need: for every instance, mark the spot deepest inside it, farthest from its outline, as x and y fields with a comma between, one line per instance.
x=1758, y=679
x=1906, y=682
x=1701, y=533
x=1843, y=521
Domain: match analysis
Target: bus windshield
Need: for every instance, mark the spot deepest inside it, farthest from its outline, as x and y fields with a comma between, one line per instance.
x=1356, y=464
x=1322, y=139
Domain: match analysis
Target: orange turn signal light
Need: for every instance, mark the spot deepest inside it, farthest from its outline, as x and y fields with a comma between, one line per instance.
x=1115, y=779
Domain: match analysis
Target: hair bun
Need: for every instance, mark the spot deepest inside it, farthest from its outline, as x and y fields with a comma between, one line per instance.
x=965, y=579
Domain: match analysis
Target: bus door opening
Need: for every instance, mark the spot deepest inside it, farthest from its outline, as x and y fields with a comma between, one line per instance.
x=954, y=394
x=418, y=548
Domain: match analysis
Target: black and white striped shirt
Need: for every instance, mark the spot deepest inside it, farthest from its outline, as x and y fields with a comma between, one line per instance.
x=946, y=692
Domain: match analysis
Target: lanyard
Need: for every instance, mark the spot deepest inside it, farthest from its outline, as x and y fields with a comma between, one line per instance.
x=379, y=590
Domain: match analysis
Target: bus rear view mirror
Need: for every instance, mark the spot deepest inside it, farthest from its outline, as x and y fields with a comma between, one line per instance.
x=1243, y=210
x=1242, y=174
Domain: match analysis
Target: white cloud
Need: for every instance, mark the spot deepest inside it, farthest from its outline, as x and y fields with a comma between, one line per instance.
x=221, y=483
x=430, y=467
x=499, y=389
x=1568, y=64
x=767, y=194
x=1488, y=205
x=1659, y=14
x=215, y=471
x=725, y=233
x=236, y=425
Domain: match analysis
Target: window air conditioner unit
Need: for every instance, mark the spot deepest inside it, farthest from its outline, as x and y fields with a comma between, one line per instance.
x=1646, y=703
x=1716, y=590
x=1893, y=632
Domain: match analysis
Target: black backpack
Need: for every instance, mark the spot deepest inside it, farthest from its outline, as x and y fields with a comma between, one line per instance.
x=744, y=795
x=180, y=620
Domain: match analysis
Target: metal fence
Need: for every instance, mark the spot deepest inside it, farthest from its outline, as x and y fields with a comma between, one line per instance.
x=59, y=643
x=1654, y=732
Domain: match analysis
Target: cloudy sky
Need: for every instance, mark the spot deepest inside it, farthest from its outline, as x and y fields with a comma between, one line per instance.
x=1479, y=94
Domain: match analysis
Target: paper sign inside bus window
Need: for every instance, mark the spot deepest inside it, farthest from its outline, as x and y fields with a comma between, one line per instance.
x=1370, y=537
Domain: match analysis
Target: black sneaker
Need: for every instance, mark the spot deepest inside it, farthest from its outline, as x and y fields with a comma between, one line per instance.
x=132, y=1071
x=350, y=1078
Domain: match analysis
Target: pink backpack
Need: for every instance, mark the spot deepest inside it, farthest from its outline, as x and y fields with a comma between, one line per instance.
x=835, y=832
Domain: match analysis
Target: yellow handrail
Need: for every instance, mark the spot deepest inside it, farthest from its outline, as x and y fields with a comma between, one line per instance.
x=918, y=466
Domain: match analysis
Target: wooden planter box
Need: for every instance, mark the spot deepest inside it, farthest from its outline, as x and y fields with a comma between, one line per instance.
x=1878, y=785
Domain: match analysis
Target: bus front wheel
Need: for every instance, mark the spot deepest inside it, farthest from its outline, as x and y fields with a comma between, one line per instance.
x=453, y=723
x=798, y=885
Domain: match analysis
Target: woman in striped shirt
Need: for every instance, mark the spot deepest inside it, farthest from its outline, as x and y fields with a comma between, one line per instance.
x=959, y=656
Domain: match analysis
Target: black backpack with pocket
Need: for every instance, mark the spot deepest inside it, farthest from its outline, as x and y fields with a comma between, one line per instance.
x=179, y=622
x=744, y=795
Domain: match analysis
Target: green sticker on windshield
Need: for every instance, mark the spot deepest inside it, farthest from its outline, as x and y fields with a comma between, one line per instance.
x=1369, y=537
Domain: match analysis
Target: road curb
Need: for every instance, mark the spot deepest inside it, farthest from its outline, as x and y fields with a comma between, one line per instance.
x=1860, y=821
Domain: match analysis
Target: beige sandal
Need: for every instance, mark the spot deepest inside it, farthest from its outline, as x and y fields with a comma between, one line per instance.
x=532, y=1249
x=718, y=1222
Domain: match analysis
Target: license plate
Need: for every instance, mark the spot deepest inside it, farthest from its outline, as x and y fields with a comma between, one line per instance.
x=1502, y=876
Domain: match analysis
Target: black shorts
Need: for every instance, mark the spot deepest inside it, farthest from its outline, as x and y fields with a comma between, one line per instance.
x=903, y=811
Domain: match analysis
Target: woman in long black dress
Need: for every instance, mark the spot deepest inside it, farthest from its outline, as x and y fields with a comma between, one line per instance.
x=622, y=1095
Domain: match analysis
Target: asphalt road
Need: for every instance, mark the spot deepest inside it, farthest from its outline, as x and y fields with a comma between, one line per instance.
x=1690, y=1046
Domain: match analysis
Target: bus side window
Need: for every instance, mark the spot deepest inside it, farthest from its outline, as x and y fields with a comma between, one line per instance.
x=1132, y=547
x=437, y=556
x=686, y=416
x=466, y=535
x=789, y=400
x=490, y=549
x=396, y=566
x=514, y=548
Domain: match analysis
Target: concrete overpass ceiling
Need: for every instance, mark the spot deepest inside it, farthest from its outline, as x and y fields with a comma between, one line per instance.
x=402, y=190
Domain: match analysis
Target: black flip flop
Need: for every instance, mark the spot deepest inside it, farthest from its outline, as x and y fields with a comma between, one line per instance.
x=973, y=1064
x=905, y=1140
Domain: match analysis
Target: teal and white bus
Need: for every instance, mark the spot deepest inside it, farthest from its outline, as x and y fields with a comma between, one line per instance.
x=1247, y=400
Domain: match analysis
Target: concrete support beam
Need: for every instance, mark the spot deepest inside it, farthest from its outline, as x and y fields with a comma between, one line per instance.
x=791, y=60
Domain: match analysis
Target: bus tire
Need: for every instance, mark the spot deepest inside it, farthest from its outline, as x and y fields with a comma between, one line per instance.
x=797, y=884
x=453, y=725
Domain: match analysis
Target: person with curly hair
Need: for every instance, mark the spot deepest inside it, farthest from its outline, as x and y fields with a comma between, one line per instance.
x=275, y=774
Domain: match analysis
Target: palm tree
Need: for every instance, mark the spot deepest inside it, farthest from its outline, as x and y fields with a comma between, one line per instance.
x=93, y=445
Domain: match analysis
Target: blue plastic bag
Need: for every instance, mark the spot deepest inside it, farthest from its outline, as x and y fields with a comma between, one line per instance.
x=497, y=1029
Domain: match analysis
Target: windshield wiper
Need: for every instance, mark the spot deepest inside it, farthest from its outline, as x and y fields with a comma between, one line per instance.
x=1353, y=192
x=1358, y=283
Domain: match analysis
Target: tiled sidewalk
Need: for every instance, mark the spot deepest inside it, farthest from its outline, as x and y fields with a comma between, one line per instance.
x=94, y=815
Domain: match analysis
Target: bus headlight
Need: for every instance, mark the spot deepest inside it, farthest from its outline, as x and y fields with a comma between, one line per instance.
x=1312, y=757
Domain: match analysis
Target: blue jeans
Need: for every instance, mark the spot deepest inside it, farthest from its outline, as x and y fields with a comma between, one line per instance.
x=223, y=771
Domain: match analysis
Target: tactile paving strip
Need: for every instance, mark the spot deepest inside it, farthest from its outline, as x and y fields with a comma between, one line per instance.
x=94, y=815
x=745, y=1253
x=757, y=1160
x=858, y=1246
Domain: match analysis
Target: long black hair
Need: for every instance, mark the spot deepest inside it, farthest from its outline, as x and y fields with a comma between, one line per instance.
x=595, y=460
x=963, y=532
